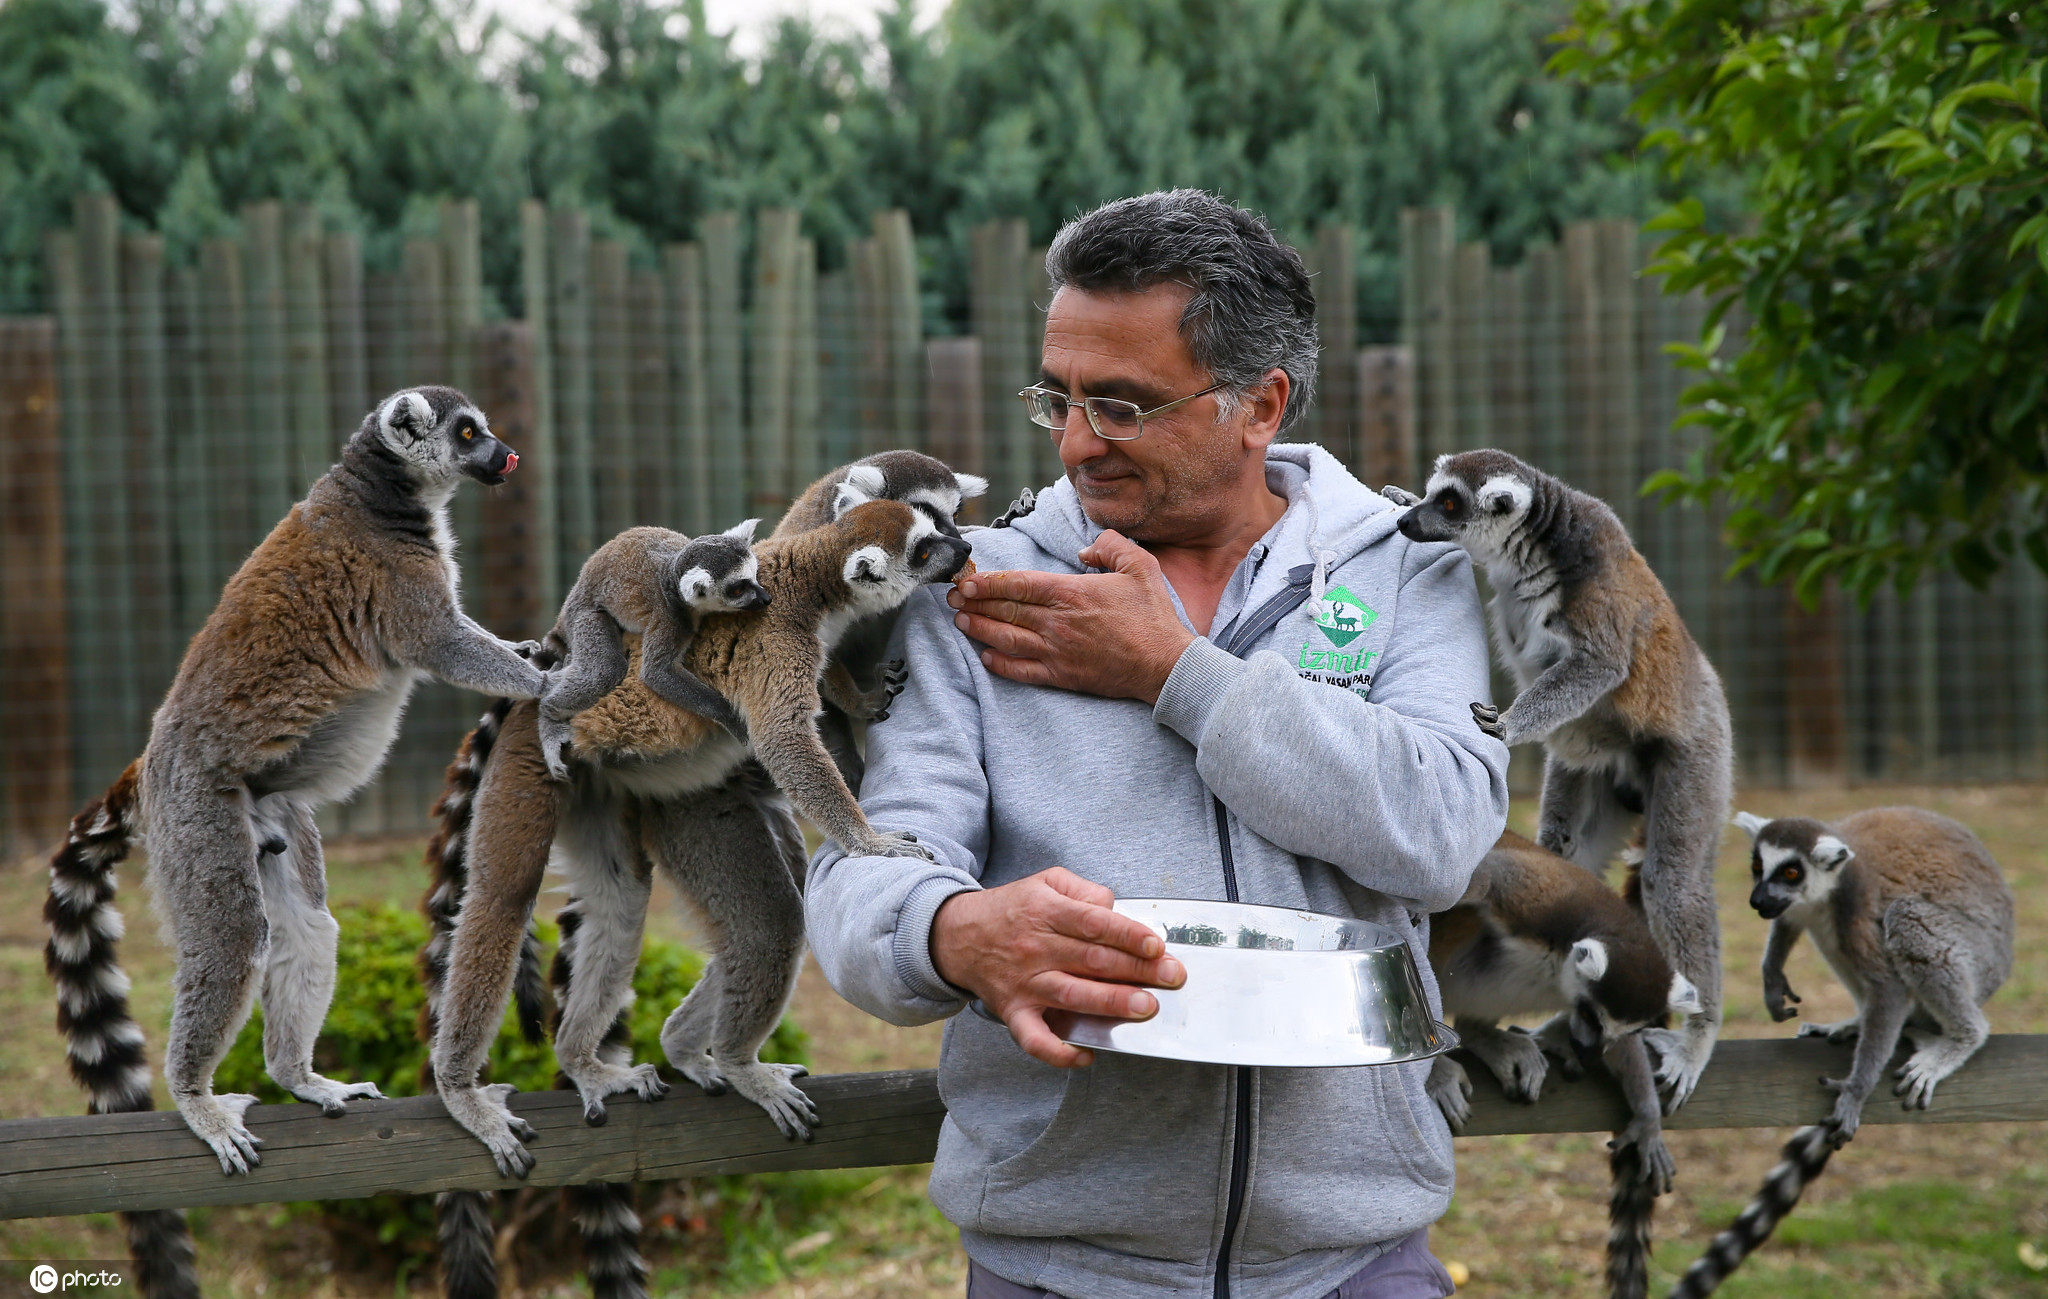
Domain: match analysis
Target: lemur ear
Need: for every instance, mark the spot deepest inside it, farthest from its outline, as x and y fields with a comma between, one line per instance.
x=1685, y=998
x=743, y=531
x=970, y=485
x=408, y=413
x=1830, y=852
x=863, y=483
x=1752, y=824
x=1589, y=958
x=868, y=564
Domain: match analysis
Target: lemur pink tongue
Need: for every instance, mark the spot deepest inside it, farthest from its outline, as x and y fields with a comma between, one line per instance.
x=511, y=461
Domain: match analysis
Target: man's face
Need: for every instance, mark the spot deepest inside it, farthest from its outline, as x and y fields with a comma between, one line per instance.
x=1167, y=484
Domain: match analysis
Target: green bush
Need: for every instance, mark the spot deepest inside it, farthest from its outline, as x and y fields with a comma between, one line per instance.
x=369, y=1037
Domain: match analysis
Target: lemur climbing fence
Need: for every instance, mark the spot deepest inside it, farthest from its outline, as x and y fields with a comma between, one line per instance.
x=159, y=417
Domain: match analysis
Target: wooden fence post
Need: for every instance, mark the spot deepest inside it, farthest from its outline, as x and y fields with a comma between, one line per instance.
x=839, y=375
x=806, y=443
x=903, y=319
x=1386, y=417
x=1471, y=344
x=684, y=265
x=540, y=434
x=197, y=516
x=35, y=665
x=1427, y=253
x=1000, y=311
x=870, y=346
x=272, y=456
x=954, y=402
x=158, y=635
x=1336, y=287
x=569, y=343
x=655, y=467
x=305, y=307
x=725, y=373
x=771, y=370
x=502, y=360
x=611, y=409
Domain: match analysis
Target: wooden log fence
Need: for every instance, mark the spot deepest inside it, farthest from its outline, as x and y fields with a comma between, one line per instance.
x=712, y=379
x=53, y=1167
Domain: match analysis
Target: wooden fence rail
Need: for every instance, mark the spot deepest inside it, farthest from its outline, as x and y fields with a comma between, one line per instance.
x=60, y=1166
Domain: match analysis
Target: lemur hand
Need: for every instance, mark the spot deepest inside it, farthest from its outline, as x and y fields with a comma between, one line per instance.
x=1488, y=718
x=1400, y=496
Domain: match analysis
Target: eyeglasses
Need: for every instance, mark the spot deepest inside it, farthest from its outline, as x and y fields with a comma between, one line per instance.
x=1112, y=419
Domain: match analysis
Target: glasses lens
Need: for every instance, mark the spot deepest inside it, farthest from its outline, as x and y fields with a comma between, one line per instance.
x=1116, y=418
x=1047, y=409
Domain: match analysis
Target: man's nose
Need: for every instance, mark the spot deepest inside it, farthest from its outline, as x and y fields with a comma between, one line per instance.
x=1078, y=441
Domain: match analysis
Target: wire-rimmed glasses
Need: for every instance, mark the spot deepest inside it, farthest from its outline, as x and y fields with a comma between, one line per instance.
x=1112, y=418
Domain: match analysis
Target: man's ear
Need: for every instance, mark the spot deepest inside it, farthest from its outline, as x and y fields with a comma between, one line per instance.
x=1264, y=407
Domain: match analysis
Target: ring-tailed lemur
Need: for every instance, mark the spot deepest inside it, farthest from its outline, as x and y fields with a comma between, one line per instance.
x=768, y=664
x=740, y=827
x=1913, y=915
x=1630, y=714
x=1533, y=934
x=287, y=699
x=654, y=584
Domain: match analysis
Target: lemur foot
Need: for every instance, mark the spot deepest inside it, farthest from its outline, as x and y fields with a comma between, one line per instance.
x=217, y=1120
x=1514, y=1057
x=1925, y=1068
x=1400, y=496
x=1682, y=1055
x=528, y=649
x=1488, y=718
x=1848, y=1112
x=701, y=1069
x=893, y=843
x=332, y=1097
x=1647, y=1136
x=597, y=1080
x=1554, y=1036
x=890, y=682
x=1844, y=1030
x=1451, y=1088
x=556, y=736
x=483, y=1113
x=773, y=1087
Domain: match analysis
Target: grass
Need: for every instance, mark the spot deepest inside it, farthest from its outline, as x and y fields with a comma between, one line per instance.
x=1951, y=1211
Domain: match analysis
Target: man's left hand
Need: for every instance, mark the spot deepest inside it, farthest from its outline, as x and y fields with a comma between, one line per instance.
x=1114, y=634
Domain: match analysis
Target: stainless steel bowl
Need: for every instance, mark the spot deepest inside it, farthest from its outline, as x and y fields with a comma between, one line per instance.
x=1273, y=986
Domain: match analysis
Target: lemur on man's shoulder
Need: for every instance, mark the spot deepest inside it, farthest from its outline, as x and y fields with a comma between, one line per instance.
x=1536, y=934
x=287, y=699
x=1631, y=716
x=1911, y=912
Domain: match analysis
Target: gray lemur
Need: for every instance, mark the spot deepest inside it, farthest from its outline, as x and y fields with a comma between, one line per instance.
x=1535, y=934
x=654, y=584
x=638, y=755
x=1913, y=915
x=1630, y=714
x=287, y=699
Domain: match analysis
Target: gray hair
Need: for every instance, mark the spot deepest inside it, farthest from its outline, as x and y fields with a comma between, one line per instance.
x=1252, y=310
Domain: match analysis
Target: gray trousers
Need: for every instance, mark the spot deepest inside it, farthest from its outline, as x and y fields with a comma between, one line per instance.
x=1407, y=1271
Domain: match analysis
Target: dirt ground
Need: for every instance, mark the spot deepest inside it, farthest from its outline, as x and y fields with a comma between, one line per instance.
x=1947, y=1210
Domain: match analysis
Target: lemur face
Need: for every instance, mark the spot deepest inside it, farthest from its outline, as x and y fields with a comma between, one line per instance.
x=1474, y=498
x=918, y=480
x=898, y=549
x=1794, y=862
x=1612, y=999
x=720, y=573
x=443, y=435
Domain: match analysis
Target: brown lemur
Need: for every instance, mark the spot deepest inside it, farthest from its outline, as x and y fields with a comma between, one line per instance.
x=737, y=829
x=1537, y=934
x=1911, y=912
x=617, y=816
x=1631, y=716
x=654, y=584
x=287, y=699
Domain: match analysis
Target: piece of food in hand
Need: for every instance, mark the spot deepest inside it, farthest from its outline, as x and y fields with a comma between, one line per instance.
x=966, y=571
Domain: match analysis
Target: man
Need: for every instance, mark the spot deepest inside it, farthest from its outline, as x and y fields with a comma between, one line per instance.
x=1264, y=696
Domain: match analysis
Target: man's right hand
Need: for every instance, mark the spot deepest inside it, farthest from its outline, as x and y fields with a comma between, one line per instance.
x=1050, y=943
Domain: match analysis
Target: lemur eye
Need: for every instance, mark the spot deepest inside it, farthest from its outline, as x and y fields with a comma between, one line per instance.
x=1792, y=874
x=1450, y=505
x=468, y=433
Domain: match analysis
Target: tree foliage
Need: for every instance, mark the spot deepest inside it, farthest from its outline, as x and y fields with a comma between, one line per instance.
x=1312, y=110
x=1884, y=413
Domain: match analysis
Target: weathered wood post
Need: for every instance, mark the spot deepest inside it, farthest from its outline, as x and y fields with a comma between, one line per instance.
x=35, y=651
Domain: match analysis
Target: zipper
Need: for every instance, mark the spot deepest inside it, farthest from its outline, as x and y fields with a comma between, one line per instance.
x=1262, y=620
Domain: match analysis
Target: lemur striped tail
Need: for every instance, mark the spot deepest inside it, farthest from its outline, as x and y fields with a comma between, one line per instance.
x=604, y=1212
x=1631, y=1205
x=1802, y=1160
x=103, y=1041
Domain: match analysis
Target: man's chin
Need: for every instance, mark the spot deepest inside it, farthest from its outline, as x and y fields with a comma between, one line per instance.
x=1117, y=503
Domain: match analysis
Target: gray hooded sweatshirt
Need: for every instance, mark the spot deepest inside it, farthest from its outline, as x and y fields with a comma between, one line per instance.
x=1316, y=750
